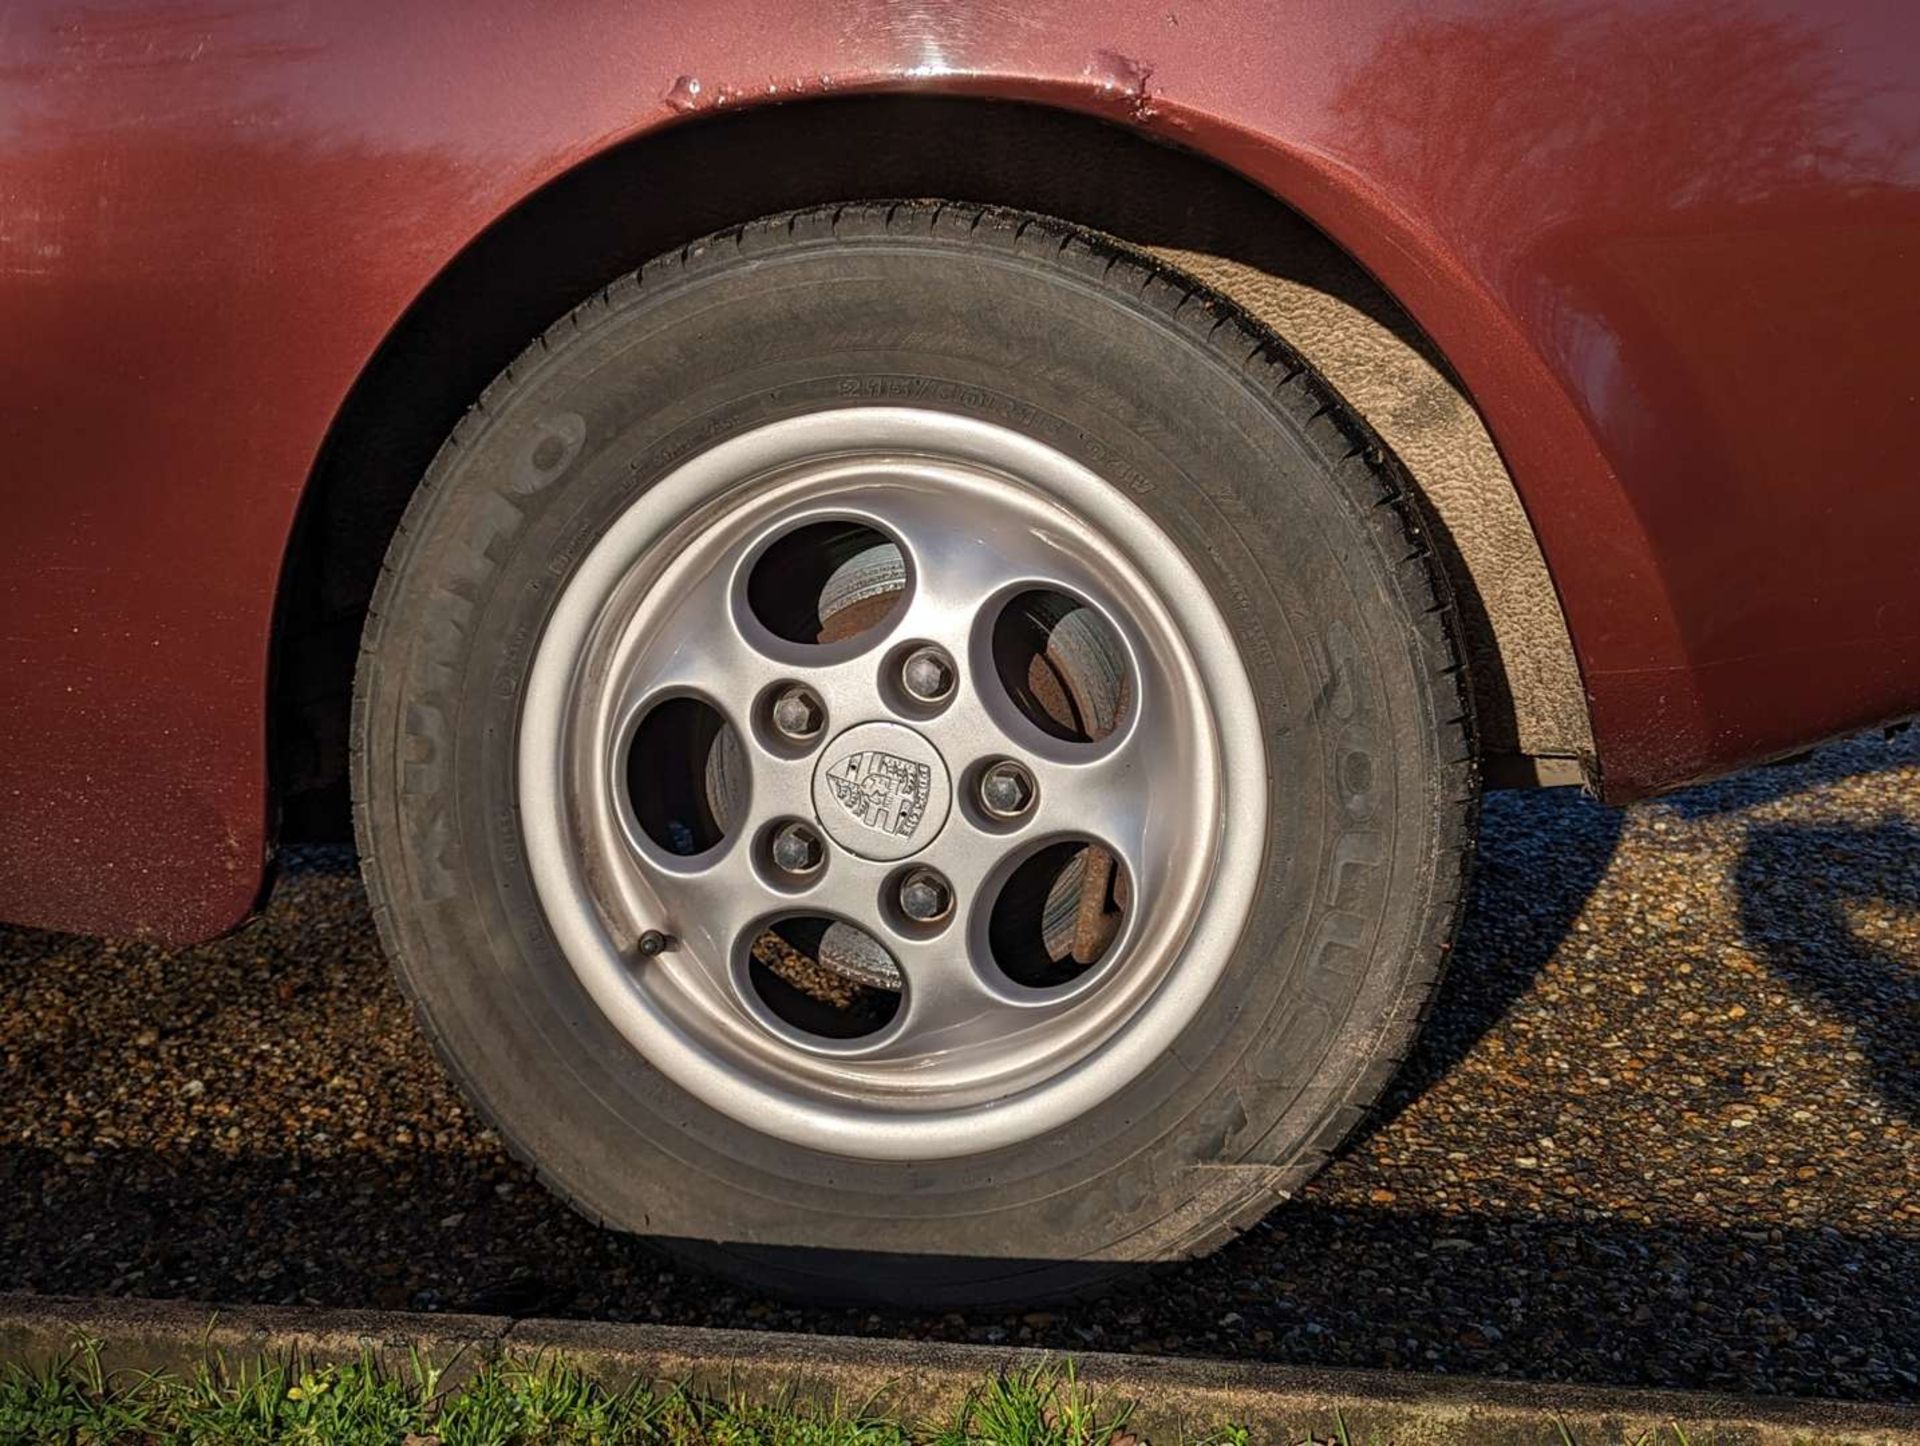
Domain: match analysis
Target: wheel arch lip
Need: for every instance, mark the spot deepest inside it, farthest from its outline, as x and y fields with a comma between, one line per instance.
x=1552, y=457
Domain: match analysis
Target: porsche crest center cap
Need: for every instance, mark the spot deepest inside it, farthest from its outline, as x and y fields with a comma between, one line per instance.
x=882, y=791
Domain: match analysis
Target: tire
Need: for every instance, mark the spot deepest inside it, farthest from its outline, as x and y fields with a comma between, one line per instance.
x=1320, y=765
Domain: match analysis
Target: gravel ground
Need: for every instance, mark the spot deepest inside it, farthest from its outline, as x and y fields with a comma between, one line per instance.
x=1661, y=1130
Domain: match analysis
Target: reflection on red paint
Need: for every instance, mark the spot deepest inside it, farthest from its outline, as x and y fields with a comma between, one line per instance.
x=1669, y=247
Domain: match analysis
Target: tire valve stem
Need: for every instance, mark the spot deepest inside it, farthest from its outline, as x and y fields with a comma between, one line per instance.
x=653, y=944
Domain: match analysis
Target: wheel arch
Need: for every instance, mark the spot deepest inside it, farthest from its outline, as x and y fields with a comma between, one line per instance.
x=607, y=214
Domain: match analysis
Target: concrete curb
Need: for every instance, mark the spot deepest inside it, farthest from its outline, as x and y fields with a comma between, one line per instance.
x=1174, y=1398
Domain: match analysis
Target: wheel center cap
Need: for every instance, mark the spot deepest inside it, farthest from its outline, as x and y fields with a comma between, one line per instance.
x=881, y=791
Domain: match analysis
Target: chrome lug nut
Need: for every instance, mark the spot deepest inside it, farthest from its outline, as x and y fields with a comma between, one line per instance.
x=925, y=897
x=1007, y=789
x=798, y=714
x=796, y=849
x=928, y=675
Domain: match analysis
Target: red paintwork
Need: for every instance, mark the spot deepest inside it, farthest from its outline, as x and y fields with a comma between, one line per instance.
x=1673, y=250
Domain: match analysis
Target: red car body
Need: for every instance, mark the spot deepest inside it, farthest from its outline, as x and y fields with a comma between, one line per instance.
x=1671, y=250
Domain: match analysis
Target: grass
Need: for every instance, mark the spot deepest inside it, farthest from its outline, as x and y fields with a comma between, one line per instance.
x=503, y=1403
x=548, y=1402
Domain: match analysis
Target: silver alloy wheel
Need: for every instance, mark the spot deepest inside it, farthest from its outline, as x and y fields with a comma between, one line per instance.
x=662, y=609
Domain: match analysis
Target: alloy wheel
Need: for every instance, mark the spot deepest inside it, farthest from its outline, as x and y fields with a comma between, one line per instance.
x=910, y=746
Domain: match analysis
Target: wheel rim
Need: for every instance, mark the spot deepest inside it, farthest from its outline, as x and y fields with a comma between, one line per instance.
x=663, y=792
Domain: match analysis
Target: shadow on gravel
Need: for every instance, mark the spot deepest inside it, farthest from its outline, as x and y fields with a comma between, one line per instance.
x=1596, y=1300
x=1773, y=783
x=1808, y=899
x=1541, y=855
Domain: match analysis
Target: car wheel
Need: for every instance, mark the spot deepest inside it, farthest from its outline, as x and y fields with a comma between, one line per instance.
x=914, y=755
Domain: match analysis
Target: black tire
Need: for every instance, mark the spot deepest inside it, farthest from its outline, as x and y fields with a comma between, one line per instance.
x=1282, y=500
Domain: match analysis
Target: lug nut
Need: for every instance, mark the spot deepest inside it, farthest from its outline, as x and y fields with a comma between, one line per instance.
x=796, y=849
x=928, y=675
x=1007, y=789
x=925, y=897
x=798, y=714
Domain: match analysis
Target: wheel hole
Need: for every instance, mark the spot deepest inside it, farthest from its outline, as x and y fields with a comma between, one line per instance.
x=686, y=775
x=1058, y=914
x=827, y=582
x=824, y=977
x=1063, y=665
